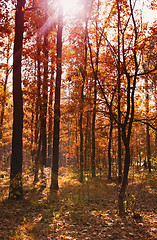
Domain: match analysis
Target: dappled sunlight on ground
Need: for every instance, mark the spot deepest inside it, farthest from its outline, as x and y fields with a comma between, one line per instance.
x=80, y=211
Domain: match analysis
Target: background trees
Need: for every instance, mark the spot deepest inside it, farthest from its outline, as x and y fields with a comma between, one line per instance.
x=108, y=92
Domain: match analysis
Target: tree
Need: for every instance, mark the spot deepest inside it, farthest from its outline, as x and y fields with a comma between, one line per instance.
x=119, y=96
x=129, y=76
x=37, y=138
x=83, y=74
x=56, y=130
x=95, y=75
x=129, y=115
x=16, y=188
x=49, y=160
x=6, y=41
x=43, y=123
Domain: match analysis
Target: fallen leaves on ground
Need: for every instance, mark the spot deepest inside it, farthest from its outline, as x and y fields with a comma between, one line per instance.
x=79, y=211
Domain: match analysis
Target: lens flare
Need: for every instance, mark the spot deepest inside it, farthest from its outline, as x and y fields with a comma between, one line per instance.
x=70, y=5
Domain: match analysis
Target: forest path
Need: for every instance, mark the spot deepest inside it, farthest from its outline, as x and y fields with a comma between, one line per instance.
x=80, y=211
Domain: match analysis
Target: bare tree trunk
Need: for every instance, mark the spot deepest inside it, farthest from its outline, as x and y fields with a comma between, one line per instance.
x=147, y=126
x=44, y=103
x=4, y=91
x=129, y=116
x=93, y=129
x=44, y=112
x=16, y=188
x=109, y=149
x=155, y=82
x=119, y=101
x=49, y=160
x=83, y=73
x=126, y=141
x=3, y=104
x=54, y=172
x=81, y=137
x=86, y=143
x=37, y=141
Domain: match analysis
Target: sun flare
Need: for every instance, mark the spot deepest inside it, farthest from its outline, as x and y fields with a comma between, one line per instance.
x=70, y=5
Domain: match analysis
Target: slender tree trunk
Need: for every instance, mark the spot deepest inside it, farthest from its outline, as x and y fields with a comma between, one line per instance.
x=129, y=116
x=81, y=131
x=109, y=149
x=155, y=82
x=86, y=143
x=77, y=147
x=3, y=104
x=147, y=126
x=95, y=73
x=125, y=175
x=49, y=160
x=119, y=101
x=83, y=73
x=37, y=112
x=16, y=188
x=44, y=110
x=93, y=129
x=54, y=173
x=4, y=92
x=44, y=103
x=119, y=155
x=32, y=131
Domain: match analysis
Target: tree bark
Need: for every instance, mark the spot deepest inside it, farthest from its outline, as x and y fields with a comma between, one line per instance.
x=93, y=129
x=81, y=137
x=126, y=141
x=16, y=188
x=109, y=149
x=119, y=101
x=44, y=103
x=54, y=172
x=147, y=126
x=4, y=91
x=129, y=115
x=155, y=95
x=50, y=135
x=83, y=73
x=37, y=114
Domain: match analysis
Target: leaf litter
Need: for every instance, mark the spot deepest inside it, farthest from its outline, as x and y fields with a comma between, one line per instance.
x=80, y=211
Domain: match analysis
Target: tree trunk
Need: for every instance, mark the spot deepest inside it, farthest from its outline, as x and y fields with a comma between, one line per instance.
x=49, y=159
x=83, y=73
x=54, y=172
x=119, y=155
x=155, y=95
x=16, y=188
x=81, y=141
x=129, y=116
x=44, y=103
x=119, y=101
x=4, y=92
x=81, y=127
x=93, y=129
x=109, y=149
x=147, y=126
x=126, y=141
x=86, y=143
x=37, y=112
x=44, y=111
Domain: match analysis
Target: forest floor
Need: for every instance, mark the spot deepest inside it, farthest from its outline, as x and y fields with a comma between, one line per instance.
x=86, y=211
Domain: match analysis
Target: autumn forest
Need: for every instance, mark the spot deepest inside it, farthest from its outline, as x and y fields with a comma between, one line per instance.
x=78, y=119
